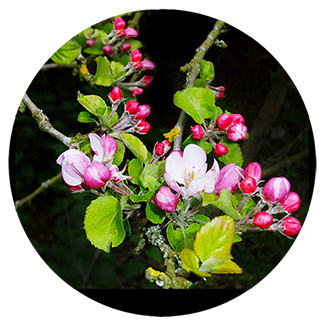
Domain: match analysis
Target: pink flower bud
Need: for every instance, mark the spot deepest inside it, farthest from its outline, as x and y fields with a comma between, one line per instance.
x=73, y=166
x=143, y=112
x=197, y=131
x=237, y=118
x=132, y=106
x=136, y=56
x=166, y=200
x=115, y=174
x=96, y=175
x=91, y=42
x=137, y=91
x=121, y=33
x=159, y=148
x=229, y=177
x=237, y=132
x=221, y=88
x=130, y=32
x=276, y=189
x=220, y=150
x=108, y=50
x=147, y=64
x=223, y=121
x=110, y=148
x=248, y=185
x=116, y=94
x=143, y=127
x=291, y=226
x=119, y=23
x=126, y=47
x=292, y=202
x=218, y=95
x=75, y=189
x=263, y=219
x=253, y=170
x=146, y=80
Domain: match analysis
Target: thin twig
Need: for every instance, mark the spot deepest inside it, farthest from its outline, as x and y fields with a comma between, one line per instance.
x=42, y=187
x=192, y=69
x=44, y=123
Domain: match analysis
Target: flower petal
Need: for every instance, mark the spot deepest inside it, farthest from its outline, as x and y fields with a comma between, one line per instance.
x=175, y=167
x=214, y=171
x=195, y=159
x=200, y=183
x=173, y=184
x=97, y=146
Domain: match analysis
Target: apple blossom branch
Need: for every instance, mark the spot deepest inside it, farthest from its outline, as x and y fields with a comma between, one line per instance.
x=44, y=123
x=192, y=69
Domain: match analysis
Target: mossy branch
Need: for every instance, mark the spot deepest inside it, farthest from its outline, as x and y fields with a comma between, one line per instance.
x=192, y=70
x=44, y=123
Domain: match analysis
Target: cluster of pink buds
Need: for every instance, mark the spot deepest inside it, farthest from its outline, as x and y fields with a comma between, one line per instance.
x=79, y=172
x=252, y=176
x=161, y=148
x=135, y=87
x=233, y=125
x=277, y=195
x=133, y=118
x=115, y=40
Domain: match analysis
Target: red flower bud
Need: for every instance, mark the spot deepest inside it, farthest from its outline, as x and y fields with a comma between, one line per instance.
x=237, y=118
x=137, y=91
x=292, y=202
x=143, y=127
x=143, y=112
x=223, y=121
x=237, y=132
x=90, y=42
x=166, y=200
x=119, y=23
x=130, y=32
x=248, y=185
x=136, y=56
x=108, y=50
x=197, y=131
x=126, y=47
x=147, y=64
x=291, y=226
x=116, y=94
x=220, y=150
x=253, y=170
x=159, y=148
x=132, y=106
x=263, y=219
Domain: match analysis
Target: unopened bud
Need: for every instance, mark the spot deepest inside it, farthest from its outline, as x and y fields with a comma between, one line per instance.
x=220, y=150
x=91, y=42
x=223, y=121
x=291, y=226
x=253, y=170
x=276, y=189
x=248, y=185
x=263, y=219
x=197, y=131
x=116, y=94
x=96, y=175
x=237, y=132
x=132, y=106
x=143, y=127
x=291, y=203
x=166, y=200
x=108, y=50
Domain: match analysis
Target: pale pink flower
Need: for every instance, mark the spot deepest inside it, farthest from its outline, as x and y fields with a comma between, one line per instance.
x=166, y=200
x=104, y=148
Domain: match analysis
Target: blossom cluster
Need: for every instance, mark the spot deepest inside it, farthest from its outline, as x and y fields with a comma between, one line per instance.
x=80, y=173
x=186, y=174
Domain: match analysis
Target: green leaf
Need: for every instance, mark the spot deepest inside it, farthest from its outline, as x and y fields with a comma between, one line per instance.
x=119, y=155
x=134, y=144
x=226, y=267
x=198, y=102
x=98, y=48
x=190, y=262
x=207, y=70
x=207, y=147
x=223, y=202
x=215, y=238
x=234, y=154
x=103, y=76
x=117, y=70
x=68, y=53
x=152, y=174
x=135, y=169
x=95, y=105
x=153, y=212
x=179, y=240
x=85, y=117
x=103, y=223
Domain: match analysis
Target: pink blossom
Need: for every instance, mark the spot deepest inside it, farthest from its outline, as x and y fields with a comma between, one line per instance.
x=198, y=132
x=96, y=175
x=253, y=170
x=130, y=32
x=104, y=148
x=73, y=166
x=229, y=177
x=220, y=150
x=148, y=64
x=248, y=185
x=115, y=174
x=237, y=132
x=166, y=200
x=187, y=174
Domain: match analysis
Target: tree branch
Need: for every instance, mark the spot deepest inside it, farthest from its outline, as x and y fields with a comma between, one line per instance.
x=42, y=187
x=44, y=123
x=192, y=69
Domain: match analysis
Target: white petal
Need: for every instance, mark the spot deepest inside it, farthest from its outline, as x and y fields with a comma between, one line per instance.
x=200, y=183
x=214, y=171
x=195, y=159
x=97, y=146
x=175, y=167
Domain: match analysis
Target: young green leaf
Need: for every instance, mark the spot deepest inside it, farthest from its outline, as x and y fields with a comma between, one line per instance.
x=85, y=117
x=190, y=262
x=68, y=53
x=234, y=154
x=103, y=223
x=104, y=75
x=207, y=70
x=198, y=102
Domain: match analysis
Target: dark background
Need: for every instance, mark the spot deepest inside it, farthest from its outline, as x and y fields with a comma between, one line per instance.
x=280, y=136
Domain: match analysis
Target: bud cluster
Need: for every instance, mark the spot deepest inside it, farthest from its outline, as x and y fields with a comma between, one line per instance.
x=231, y=126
